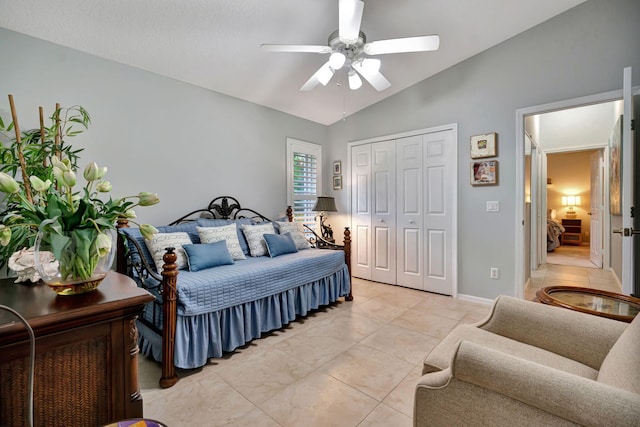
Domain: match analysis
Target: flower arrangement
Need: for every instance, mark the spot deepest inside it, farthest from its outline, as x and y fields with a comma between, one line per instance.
x=47, y=200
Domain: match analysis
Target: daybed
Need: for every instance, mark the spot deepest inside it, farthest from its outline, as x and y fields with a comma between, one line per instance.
x=200, y=314
x=530, y=364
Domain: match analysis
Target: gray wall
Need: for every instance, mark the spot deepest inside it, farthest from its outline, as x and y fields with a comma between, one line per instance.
x=578, y=53
x=156, y=134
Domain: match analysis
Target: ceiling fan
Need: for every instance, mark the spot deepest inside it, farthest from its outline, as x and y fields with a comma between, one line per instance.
x=348, y=49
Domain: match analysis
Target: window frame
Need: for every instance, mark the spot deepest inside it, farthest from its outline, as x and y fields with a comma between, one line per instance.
x=308, y=148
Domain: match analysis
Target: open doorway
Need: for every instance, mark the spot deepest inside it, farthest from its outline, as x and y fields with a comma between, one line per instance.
x=574, y=197
x=566, y=137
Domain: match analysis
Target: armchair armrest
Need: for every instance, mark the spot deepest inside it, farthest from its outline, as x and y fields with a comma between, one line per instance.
x=567, y=396
x=578, y=336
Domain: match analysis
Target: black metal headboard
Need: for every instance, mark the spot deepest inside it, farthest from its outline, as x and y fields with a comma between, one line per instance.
x=223, y=207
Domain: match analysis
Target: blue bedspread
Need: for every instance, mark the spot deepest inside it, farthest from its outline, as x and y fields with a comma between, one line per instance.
x=222, y=308
x=247, y=280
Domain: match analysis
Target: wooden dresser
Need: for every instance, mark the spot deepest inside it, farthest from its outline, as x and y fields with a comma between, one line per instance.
x=86, y=369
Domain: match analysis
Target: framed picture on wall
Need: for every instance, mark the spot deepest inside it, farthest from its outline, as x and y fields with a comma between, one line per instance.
x=484, y=172
x=483, y=145
x=614, y=168
x=337, y=182
x=337, y=167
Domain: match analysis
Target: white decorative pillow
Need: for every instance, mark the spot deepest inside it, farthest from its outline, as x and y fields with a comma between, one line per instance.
x=253, y=233
x=297, y=233
x=229, y=233
x=160, y=241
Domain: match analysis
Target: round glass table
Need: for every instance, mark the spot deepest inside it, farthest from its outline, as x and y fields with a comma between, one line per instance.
x=592, y=301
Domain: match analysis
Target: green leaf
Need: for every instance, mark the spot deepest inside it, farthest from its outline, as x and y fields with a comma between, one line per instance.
x=59, y=244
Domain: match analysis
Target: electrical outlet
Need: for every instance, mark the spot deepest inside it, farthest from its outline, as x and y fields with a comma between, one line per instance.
x=494, y=273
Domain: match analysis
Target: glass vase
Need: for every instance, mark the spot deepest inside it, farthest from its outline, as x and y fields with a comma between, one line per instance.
x=74, y=262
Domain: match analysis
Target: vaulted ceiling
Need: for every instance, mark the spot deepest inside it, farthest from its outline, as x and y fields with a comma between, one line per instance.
x=215, y=44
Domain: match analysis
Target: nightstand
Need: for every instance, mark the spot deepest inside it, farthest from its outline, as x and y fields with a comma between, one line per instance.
x=573, y=232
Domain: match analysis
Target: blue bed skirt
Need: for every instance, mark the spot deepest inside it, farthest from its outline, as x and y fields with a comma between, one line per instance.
x=208, y=335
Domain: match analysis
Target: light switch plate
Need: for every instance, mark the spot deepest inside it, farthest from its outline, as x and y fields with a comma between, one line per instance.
x=493, y=206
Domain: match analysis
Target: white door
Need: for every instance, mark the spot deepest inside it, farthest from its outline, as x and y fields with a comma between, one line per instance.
x=595, y=241
x=440, y=183
x=627, y=185
x=361, y=211
x=383, y=218
x=410, y=246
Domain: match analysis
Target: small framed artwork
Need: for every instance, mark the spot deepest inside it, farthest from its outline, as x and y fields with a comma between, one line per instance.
x=484, y=172
x=483, y=146
x=337, y=167
x=337, y=182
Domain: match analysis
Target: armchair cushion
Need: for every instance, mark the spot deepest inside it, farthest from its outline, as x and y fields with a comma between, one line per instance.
x=440, y=357
x=621, y=367
x=533, y=331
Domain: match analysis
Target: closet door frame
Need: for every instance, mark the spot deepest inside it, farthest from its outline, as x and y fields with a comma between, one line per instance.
x=453, y=127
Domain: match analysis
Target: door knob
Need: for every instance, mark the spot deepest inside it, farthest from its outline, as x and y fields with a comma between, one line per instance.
x=381, y=220
x=412, y=222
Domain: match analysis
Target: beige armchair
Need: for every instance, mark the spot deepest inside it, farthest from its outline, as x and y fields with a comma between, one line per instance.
x=530, y=364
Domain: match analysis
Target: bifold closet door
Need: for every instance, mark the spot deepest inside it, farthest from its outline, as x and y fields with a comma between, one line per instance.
x=373, y=206
x=440, y=180
x=383, y=218
x=410, y=241
x=361, y=258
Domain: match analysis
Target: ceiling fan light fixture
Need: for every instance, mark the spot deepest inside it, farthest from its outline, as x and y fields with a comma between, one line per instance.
x=337, y=60
x=324, y=74
x=355, y=82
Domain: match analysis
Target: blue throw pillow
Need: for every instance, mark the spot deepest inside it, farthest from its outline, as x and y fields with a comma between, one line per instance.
x=279, y=244
x=207, y=255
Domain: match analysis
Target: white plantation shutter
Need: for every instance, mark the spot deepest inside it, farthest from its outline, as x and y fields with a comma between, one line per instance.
x=304, y=179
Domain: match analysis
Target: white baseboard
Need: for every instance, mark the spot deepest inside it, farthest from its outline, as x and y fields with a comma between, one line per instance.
x=472, y=298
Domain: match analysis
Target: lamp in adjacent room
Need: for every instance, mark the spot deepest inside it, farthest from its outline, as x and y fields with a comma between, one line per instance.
x=571, y=202
x=323, y=205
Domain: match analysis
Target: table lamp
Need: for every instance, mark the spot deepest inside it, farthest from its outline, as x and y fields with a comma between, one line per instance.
x=325, y=204
x=571, y=201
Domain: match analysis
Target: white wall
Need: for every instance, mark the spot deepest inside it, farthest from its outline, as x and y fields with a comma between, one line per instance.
x=582, y=127
x=156, y=134
x=578, y=53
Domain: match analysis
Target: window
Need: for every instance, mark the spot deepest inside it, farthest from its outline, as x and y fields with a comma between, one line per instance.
x=304, y=179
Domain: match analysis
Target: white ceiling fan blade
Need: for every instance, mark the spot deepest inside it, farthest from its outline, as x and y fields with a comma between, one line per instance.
x=369, y=69
x=322, y=76
x=295, y=48
x=349, y=19
x=403, y=45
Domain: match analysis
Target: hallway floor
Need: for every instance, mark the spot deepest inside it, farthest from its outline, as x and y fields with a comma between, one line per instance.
x=577, y=256
x=571, y=275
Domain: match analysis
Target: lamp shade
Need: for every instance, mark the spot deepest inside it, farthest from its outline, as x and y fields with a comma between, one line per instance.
x=571, y=200
x=325, y=204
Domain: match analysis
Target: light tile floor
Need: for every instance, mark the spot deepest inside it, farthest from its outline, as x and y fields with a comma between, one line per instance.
x=571, y=275
x=350, y=364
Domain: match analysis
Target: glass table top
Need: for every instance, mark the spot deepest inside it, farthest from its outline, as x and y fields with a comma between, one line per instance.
x=599, y=303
